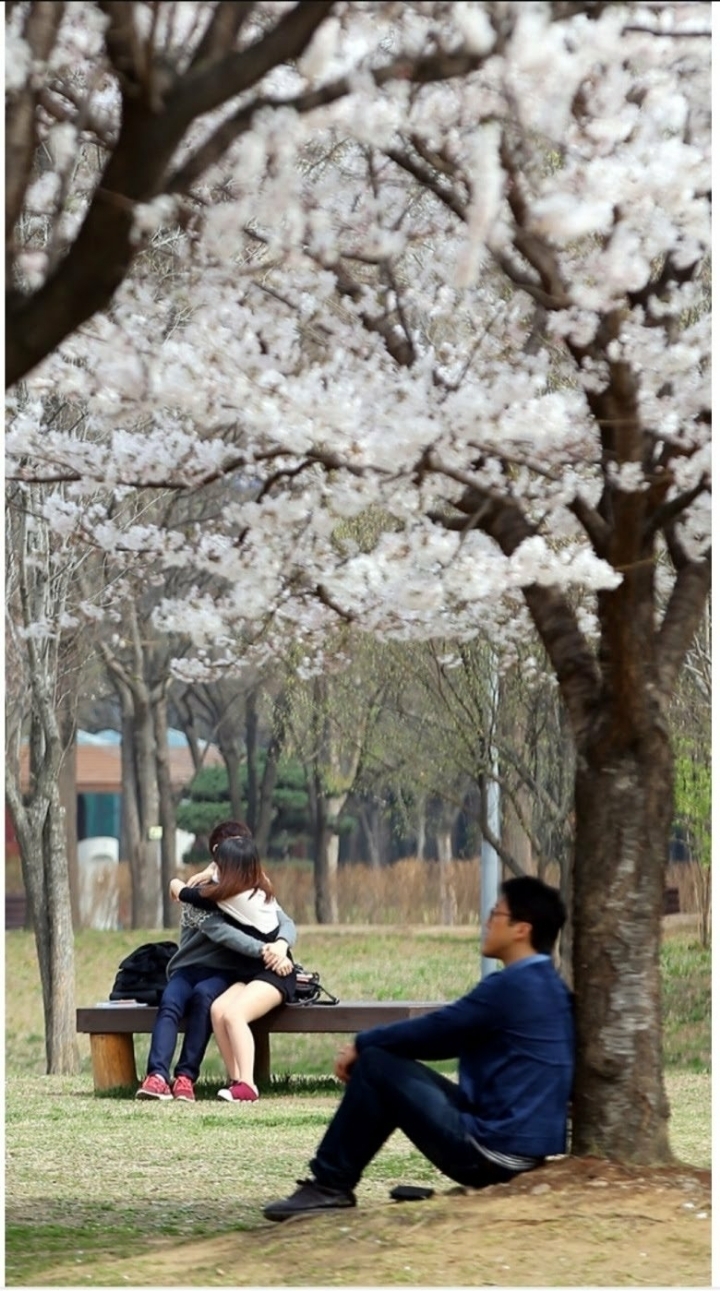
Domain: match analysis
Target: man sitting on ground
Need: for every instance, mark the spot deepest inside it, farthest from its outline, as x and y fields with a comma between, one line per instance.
x=514, y=1037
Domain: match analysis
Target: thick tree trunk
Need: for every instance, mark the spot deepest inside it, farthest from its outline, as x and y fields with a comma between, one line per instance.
x=624, y=805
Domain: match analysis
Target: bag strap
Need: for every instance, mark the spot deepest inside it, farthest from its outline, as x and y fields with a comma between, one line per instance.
x=303, y=1004
x=331, y=999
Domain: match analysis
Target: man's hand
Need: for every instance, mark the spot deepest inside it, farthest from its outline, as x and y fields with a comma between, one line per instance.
x=274, y=954
x=176, y=887
x=345, y=1060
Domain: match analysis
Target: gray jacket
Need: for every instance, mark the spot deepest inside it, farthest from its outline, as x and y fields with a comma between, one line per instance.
x=209, y=940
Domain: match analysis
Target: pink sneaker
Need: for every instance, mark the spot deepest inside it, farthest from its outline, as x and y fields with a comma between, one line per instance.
x=154, y=1086
x=239, y=1092
x=183, y=1088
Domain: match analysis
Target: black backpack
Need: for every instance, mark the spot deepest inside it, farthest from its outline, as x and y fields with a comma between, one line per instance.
x=142, y=975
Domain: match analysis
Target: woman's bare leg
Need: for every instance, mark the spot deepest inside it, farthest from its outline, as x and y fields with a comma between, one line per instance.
x=257, y=999
x=221, y=1009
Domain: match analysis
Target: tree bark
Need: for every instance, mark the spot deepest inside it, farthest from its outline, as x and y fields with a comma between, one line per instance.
x=368, y=815
x=232, y=757
x=145, y=862
x=270, y=773
x=251, y=748
x=624, y=814
x=327, y=846
x=448, y=903
x=166, y=809
x=67, y=787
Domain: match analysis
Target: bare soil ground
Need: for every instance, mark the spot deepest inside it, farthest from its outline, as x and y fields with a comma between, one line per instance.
x=575, y=1222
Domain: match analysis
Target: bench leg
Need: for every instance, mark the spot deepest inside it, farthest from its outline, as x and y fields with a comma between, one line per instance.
x=262, y=1056
x=113, y=1061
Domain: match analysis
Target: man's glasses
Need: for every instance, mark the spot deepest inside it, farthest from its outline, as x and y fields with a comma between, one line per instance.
x=497, y=911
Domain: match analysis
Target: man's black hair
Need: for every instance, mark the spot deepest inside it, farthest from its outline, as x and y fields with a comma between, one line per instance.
x=531, y=901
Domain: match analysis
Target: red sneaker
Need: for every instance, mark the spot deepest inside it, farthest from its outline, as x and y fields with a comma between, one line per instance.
x=239, y=1092
x=154, y=1086
x=183, y=1088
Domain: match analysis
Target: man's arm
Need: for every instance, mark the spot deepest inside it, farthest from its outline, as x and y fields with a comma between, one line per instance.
x=445, y=1031
x=287, y=931
x=229, y=935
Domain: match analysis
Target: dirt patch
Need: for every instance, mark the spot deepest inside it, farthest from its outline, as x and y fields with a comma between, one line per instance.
x=575, y=1222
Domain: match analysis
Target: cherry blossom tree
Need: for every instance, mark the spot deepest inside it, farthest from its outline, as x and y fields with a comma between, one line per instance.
x=441, y=265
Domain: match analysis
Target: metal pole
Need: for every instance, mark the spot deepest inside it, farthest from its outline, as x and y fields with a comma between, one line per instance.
x=489, y=860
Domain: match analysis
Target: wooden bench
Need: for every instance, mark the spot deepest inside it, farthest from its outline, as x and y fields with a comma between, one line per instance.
x=112, y=1030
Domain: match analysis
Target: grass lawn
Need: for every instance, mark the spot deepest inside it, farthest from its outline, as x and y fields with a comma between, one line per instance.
x=93, y=1181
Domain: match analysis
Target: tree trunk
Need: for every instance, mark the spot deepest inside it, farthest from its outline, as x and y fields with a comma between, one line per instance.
x=421, y=828
x=251, y=748
x=166, y=811
x=327, y=844
x=368, y=815
x=67, y=786
x=448, y=903
x=624, y=804
x=40, y=831
x=144, y=857
x=232, y=757
x=59, y=990
x=270, y=773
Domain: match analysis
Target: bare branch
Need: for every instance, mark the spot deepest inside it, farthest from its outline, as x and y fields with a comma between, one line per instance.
x=428, y=179
x=324, y=596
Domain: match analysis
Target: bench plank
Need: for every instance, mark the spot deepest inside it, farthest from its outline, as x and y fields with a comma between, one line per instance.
x=111, y=1030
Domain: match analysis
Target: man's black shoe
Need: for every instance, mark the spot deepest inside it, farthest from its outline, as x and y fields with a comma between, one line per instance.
x=309, y=1198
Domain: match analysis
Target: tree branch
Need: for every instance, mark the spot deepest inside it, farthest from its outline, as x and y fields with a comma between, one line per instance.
x=669, y=511
x=682, y=616
x=597, y=529
x=40, y=32
x=229, y=18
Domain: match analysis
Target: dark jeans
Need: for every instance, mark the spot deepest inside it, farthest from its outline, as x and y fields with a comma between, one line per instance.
x=189, y=994
x=386, y=1093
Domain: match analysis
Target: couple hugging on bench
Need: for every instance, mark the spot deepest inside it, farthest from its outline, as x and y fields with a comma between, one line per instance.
x=513, y=1034
x=233, y=965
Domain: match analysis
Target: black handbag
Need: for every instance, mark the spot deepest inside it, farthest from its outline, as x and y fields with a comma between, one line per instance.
x=309, y=989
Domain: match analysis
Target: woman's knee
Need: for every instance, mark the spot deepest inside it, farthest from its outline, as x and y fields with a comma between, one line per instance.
x=217, y=1013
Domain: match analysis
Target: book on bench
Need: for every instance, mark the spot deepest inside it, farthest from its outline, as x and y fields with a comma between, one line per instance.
x=121, y=1004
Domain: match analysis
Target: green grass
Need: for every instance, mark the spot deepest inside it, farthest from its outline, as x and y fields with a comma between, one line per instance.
x=686, y=973
x=89, y=1179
